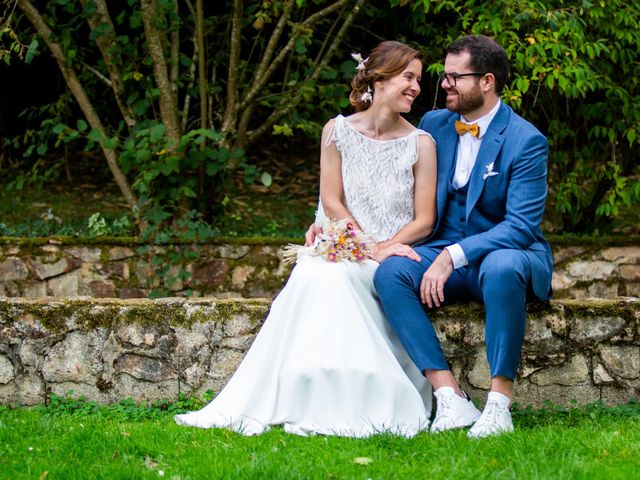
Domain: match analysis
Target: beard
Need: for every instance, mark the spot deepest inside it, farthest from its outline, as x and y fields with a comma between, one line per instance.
x=465, y=103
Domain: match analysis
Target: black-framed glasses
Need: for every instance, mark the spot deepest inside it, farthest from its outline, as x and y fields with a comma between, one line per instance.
x=452, y=78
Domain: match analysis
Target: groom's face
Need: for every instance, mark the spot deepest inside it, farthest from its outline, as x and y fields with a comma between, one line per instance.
x=466, y=96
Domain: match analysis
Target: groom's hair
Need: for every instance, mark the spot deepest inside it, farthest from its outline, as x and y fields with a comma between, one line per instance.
x=486, y=55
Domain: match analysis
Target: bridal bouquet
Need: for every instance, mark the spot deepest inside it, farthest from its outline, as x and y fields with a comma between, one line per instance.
x=338, y=241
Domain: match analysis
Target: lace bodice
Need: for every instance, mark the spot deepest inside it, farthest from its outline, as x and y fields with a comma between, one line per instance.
x=377, y=177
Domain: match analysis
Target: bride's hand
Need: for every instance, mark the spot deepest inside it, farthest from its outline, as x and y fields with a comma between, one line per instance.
x=310, y=235
x=397, y=249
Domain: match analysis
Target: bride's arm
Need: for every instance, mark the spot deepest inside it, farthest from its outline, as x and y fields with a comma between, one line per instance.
x=425, y=180
x=331, y=190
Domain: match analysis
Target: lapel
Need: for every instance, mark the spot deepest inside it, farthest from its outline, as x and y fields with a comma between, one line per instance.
x=448, y=143
x=492, y=142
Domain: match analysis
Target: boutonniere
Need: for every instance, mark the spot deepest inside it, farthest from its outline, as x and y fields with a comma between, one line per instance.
x=490, y=172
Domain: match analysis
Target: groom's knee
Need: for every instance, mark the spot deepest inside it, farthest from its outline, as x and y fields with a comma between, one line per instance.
x=505, y=269
x=392, y=272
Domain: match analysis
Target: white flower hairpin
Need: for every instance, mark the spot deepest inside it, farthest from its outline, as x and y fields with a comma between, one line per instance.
x=490, y=172
x=367, y=97
x=358, y=58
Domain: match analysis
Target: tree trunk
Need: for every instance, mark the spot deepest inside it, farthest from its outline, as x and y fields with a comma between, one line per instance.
x=105, y=44
x=168, y=105
x=74, y=84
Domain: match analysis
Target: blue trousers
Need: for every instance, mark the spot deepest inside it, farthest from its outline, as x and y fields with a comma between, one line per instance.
x=501, y=281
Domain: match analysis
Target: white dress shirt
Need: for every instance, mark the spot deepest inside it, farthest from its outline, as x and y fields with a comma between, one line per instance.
x=468, y=147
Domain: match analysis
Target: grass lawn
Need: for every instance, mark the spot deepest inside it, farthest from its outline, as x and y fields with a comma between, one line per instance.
x=585, y=442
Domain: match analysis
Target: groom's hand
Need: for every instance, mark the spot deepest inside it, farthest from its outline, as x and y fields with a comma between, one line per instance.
x=433, y=280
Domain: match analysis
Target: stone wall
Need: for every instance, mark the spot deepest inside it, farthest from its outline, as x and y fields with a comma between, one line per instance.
x=254, y=268
x=107, y=350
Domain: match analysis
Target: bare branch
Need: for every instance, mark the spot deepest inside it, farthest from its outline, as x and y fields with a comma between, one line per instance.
x=290, y=103
x=105, y=44
x=273, y=41
x=100, y=76
x=202, y=63
x=234, y=58
x=168, y=107
x=74, y=84
x=308, y=23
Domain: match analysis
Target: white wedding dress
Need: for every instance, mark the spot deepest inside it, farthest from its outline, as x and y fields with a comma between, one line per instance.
x=325, y=360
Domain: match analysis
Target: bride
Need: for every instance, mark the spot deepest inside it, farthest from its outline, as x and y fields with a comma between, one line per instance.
x=325, y=360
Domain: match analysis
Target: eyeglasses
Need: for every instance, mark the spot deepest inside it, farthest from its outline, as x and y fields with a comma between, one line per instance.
x=452, y=78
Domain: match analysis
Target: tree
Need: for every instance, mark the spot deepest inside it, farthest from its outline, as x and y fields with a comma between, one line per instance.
x=256, y=62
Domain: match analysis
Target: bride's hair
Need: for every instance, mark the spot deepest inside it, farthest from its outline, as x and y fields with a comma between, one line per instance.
x=386, y=60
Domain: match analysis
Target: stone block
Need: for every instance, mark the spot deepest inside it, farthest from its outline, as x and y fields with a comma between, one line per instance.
x=30, y=390
x=144, y=368
x=241, y=274
x=131, y=293
x=561, y=254
x=120, y=253
x=526, y=393
x=224, y=362
x=7, y=371
x=35, y=290
x=574, y=372
x=75, y=358
x=622, y=361
x=86, y=254
x=119, y=270
x=539, y=337
x=238, y=325
x=233, y=252
x=480, y=374
x=44, y=271
x=596, y=329
x=632, y=289
x=630, y=272
x=586, y=270
x=102, y=289
x=64, y=285
x=602, y=290
x=601, y=376
x=622, y=254
x=561, y=281
x=211, y=274
x=13, y=269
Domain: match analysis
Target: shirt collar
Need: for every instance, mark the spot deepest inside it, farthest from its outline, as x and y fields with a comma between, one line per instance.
x=483, y=122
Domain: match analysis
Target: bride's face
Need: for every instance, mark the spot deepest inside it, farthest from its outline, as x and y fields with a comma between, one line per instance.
x=400, y=91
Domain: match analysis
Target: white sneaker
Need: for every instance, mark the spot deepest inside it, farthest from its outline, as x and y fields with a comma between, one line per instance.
x=453, y=411
x=495, y=419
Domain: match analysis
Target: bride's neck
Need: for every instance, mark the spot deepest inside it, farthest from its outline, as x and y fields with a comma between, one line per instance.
x=380, y=122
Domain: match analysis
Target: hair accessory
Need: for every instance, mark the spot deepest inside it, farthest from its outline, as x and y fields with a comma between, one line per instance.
x=358, y=58
x=367, y=97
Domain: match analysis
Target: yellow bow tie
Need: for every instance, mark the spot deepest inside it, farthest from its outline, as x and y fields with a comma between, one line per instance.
x=472, y=128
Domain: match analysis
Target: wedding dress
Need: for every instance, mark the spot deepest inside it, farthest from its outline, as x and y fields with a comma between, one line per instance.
x=325, y=360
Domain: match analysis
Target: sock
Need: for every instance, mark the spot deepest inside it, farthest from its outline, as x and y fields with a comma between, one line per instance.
x=499, y=398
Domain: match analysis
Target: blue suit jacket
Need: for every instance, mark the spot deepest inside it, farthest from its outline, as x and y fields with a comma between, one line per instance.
x=503, y=210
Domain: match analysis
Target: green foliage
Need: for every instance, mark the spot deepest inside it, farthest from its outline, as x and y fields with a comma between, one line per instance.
x=35, y=442
x=123, y=410
x=575, y=74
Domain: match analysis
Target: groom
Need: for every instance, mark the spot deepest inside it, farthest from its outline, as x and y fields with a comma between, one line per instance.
x=487, y=245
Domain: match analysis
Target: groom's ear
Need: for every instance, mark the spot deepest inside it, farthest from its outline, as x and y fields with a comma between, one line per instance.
x=488, y=82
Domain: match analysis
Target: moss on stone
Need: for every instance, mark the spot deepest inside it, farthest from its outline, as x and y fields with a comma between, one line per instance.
x=88, y=314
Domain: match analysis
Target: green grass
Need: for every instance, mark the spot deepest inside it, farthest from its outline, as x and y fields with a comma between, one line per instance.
x=78, y=440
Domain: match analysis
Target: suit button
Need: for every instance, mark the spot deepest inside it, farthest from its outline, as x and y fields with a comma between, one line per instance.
x=462, y=219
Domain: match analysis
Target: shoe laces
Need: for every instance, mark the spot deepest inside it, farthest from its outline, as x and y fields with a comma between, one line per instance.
x=443, y=406
x=491, y=414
